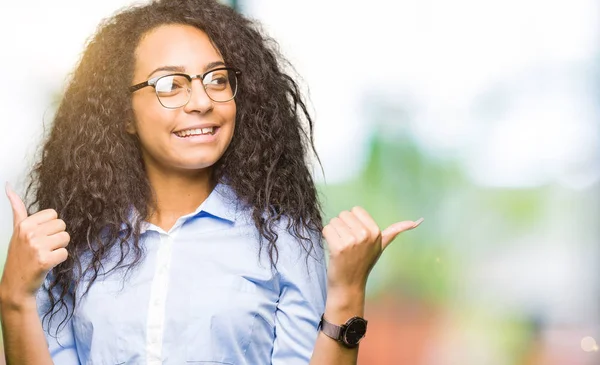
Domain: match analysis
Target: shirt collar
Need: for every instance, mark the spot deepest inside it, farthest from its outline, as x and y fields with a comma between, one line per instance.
x=221, y=203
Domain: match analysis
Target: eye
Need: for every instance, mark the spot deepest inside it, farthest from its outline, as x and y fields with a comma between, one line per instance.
x=217, y=80
x=171, y=84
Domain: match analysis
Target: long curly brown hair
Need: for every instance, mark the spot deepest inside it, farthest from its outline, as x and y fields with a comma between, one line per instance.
x=91, y=171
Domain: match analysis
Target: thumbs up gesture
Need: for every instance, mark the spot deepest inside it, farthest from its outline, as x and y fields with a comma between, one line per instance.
x=38, y=244
x=355, y=244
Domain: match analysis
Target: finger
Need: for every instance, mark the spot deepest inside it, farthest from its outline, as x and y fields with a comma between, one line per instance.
x=357, y=227
x=333, y=239
x=388, y=234
x=51, y=227
x=330, y=234
x=59, y=240
x=18, y=207
x=366, y=219
x=43, y=216
x=342, y=230
x=56, y=257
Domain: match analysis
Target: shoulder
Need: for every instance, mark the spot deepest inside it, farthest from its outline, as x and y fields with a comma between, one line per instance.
x=293, y=242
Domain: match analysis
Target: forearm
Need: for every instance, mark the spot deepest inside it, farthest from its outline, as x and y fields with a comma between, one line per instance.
x=24, y=339
x=338, y=309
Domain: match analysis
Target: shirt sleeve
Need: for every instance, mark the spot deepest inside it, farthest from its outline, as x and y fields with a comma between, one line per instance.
x=62, y=344
x=302, y=298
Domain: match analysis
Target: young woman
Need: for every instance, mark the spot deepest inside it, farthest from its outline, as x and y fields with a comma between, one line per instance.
x=176, y=219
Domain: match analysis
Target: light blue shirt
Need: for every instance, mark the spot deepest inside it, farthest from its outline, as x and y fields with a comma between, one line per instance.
x=201, y=296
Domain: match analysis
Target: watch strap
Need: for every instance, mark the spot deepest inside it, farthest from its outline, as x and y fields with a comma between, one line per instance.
x=330, y=329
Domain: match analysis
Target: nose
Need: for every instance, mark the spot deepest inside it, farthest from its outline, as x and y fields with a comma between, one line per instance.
x=199, y=100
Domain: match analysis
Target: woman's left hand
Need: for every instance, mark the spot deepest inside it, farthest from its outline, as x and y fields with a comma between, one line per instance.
x=355, y=244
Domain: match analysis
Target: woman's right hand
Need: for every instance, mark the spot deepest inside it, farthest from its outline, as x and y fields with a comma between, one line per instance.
x=37, y=245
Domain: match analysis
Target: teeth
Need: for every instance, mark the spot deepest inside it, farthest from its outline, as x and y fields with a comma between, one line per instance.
x=195, y=132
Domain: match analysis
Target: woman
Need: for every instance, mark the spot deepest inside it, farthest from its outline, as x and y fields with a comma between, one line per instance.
x=177, y=220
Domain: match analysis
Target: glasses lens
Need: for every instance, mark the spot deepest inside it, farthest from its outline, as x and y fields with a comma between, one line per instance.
x=220, y=85
x=173, y=90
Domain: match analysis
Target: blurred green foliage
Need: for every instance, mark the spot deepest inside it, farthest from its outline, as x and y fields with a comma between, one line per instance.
x=400, y=183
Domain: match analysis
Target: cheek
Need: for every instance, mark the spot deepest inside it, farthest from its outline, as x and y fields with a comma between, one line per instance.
x=149, y=118
x=232, y=123
x=231, y=115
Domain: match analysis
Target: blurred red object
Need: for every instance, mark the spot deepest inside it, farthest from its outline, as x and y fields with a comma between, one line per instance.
x=399, y=332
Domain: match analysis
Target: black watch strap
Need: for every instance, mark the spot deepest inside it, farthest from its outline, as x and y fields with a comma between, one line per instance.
x=349, y=334
x=330, y=329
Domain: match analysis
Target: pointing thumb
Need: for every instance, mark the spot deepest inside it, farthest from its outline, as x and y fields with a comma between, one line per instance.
x=388, y=234
x=18, y=207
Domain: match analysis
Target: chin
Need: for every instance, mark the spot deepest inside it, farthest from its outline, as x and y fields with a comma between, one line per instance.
x=197, y=165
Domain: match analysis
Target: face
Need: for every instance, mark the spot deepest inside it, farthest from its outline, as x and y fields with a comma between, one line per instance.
x=165, y=133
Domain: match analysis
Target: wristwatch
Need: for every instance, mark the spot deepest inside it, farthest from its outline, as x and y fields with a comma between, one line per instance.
x=349, y=334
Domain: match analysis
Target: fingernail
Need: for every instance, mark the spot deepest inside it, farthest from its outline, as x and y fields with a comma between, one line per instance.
x=418, y=221
x=7, y=188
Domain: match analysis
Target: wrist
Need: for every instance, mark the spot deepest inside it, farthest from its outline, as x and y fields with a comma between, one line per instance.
x=344, y=303
x=16, y=303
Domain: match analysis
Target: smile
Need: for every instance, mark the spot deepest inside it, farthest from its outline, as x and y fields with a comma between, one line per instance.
x=196, y=132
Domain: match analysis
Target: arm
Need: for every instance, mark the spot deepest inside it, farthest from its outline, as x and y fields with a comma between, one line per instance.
x=26, y=342
x=298, y=314
x=355, y=244
x=339, y=308
x=37, y=245
x=302, y=295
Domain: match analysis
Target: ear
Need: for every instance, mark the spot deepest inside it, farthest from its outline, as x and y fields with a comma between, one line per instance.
x=130, y=128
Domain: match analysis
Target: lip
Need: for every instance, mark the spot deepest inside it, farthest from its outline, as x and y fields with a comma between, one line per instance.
x=203, y=138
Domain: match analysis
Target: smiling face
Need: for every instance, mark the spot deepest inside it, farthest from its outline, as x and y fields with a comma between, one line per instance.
x=174, y=139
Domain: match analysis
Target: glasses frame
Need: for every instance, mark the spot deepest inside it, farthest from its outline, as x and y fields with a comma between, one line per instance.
x=153, y=81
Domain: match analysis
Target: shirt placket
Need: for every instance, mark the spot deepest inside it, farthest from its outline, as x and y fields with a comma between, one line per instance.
x=158, y=298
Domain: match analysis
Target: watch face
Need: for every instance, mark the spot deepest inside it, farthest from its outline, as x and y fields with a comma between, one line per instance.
x=355, y=331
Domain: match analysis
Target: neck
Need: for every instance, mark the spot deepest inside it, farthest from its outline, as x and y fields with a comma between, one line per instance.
x=177, y=194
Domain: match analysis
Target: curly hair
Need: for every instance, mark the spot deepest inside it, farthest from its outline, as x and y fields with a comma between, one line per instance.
x=92, y=173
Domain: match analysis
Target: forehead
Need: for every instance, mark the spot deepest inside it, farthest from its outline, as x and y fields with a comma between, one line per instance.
x=175, y=45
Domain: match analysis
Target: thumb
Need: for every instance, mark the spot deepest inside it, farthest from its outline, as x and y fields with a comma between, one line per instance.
x=388, y=234
x=18, y=207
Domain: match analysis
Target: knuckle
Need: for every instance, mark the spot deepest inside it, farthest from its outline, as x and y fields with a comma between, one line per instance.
x=23, y=227
x=64, y=254
x=53, y=213
x=29, y=236
x=362, y=234
x=334, y=251
x=351, y=241
x=62, y=224
x=43, y=261
x=33, y=243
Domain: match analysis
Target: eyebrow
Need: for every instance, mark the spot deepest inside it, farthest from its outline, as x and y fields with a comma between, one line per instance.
x=182, y=69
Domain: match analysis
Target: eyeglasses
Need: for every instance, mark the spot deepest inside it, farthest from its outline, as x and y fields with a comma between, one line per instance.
x=175, y=90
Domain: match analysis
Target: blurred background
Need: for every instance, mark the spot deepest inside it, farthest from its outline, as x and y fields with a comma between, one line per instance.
x=480, y=116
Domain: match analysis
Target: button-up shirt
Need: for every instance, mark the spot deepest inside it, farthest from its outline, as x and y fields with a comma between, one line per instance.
x=204, y=293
